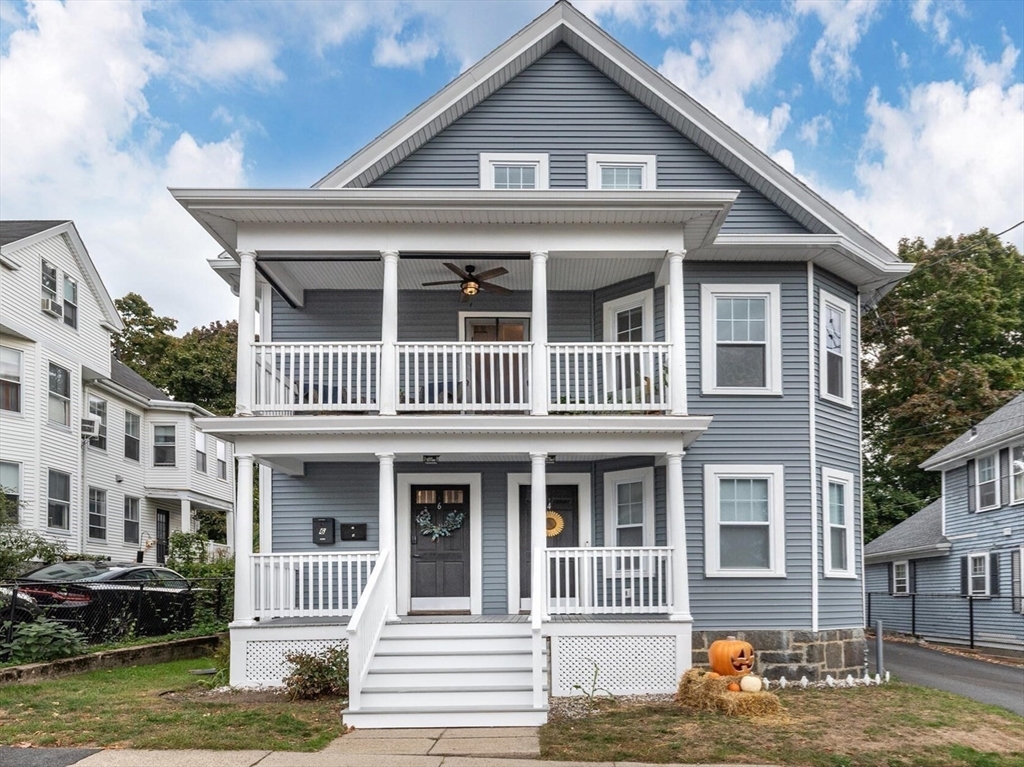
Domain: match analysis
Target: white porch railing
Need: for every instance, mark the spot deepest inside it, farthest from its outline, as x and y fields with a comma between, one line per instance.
x=309, y=585
x=609, y=580
x=464, y=376
x=366, y=625
x=325, y=377
x=609, y=377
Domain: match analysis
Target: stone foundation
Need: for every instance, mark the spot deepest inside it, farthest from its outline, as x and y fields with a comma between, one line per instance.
x=794, y=654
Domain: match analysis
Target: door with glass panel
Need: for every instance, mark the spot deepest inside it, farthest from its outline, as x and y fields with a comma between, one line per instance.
x=497, y=377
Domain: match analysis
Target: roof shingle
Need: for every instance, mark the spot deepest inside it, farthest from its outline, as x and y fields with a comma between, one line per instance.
x=12, y=231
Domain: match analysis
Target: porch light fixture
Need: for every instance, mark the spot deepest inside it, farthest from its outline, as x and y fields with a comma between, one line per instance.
x=470, y=287
x=430, y=459
x=550, y=458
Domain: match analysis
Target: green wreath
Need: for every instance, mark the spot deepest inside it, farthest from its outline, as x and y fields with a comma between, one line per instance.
x=451, y=523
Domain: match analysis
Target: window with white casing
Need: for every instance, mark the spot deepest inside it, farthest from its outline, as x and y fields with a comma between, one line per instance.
x=629, y=507
x=900, y=577
x=977, y=575
x=516, y=171
x=987, y=484
x=10, y=486
x=132, y=435
x=622, y=172
x=10, y=379
x=58, y=492
x=164, y=445
x=837, y=502
x=49, y=281
x=98, y=411
x=1017, y=474
x=222, y=460
x=200, y=452
x=97, y=514
x=834, y=343
x=131, y=519
x=59, y=401
x=70, y=302
x=741, y=339
x=744, y=520
x=630, y=319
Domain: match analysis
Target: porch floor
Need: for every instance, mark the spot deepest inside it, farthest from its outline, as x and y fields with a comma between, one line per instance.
x=342, y=620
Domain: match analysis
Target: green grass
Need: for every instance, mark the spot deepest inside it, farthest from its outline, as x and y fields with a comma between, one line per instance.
x=893, y=726
x=125, y=708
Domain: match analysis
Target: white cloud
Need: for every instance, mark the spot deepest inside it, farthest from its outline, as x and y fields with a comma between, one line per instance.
x=225, y=59
x=814, y=128
x=390, y=52
x=999, y=72
x=937, y=16
x=88, y=149
x=845, y=23
x=664, y=16
x=740, y=59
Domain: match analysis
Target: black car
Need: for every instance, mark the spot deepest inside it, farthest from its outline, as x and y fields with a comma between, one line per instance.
x=109, y=601
x=24, y=610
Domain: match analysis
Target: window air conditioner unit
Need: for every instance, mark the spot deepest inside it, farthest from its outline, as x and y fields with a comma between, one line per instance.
x=53, y=308
x=90, y=427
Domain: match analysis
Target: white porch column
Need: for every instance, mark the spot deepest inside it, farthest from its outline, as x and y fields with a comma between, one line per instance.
x=186, y=515
x=243, y=540
x=389, y=335
x=387, y=522
x=246, y=332
x=538, y=532
x=677, y=332
x=676, y=518
x=541, y=387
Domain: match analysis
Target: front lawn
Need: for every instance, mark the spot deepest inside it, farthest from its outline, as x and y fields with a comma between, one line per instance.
x=160, y=706
x=897, y=725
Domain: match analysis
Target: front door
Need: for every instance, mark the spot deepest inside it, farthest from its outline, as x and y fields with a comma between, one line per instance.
x=497, y=379
x=440, y=548
x=163, y=534
x=562, y=525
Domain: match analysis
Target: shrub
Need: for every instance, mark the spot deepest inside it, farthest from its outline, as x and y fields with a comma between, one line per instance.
x=187, y=553
x=318, y=675
x=19, y=547
x=41, y=641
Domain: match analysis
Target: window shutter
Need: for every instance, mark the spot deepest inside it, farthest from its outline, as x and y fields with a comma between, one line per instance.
x=1015, y=583
x=892, y=577
x=993, y=574
x=1004, y=477
x=912, y=576
x=972, y=500
x=963, y=576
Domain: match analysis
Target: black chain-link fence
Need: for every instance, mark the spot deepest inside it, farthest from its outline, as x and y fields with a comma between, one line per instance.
x=983, y=621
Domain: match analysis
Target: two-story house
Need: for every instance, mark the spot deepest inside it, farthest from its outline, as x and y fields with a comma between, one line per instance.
x=93, y=454
x=557, y=373
x=952, y=571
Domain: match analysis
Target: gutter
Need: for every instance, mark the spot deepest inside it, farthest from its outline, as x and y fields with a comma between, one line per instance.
x=914, y=552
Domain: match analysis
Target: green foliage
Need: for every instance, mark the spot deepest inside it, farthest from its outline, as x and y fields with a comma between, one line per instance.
x=19, y=547
x=200, y=367
x=317, y=675
x=944, y=349
x=146, y=337
x=40, y=641
x=8, y=508
x=221, y=660
x=187, y=554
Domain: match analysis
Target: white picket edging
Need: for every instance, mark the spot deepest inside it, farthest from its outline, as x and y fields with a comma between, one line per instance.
x=588, y=581
x=609, y=377
x=309, y=585
x=464, y=376
x=315, y=377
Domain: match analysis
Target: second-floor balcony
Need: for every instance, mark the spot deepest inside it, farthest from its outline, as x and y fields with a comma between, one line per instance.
x=465, y=377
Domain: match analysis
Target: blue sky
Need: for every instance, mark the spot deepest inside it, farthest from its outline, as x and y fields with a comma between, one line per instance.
x=907, y=115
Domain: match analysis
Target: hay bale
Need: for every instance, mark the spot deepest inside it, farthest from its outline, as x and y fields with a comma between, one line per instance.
x=699, y=691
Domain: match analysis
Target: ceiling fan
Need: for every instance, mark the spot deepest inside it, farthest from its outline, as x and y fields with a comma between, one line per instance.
x=471, y=283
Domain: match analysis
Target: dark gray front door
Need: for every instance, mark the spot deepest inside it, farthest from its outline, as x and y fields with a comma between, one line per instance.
x=563, y=501
x=440, y=548
x=163, y=534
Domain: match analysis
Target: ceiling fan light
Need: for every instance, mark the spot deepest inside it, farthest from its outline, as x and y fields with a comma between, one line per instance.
x=470, y=287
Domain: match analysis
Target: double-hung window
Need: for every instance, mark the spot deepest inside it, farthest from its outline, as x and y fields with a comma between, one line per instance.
x=1017, y=474
x=200, y=452
x=58, y=507
x=97, y=514
x=987, y=468
x=70, y=302
x=10, y=486
x=629, y=507
x=834, y=344
x=10, y=379
x=513, y=170
x=977, y=575
x=98, y=410
x=741, y=339
x=222, y=459
x=744, y=520
x=837, y=497
x=900, y=577
x=59, y=401
x=49, y=282
x=622, y=172
x=132, y=435
x=131, y=519
x=164, y=445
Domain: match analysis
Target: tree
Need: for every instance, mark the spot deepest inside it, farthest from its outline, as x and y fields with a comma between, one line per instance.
x=200, y=367
x=146, y=338
x=941, y=351
x=18, y=546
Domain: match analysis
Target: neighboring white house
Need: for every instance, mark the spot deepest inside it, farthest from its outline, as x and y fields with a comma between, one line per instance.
x=97, y=457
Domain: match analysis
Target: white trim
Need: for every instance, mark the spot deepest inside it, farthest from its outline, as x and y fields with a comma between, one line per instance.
x=403, y=522
x=776, y=519
x=21, y=382
x=1014, y=498
x=845, y=479
x=463, y=316
x=586, y=516
x=644, y=474
x=942, y=501
x=773, y=337
x=21, y=488
x=644, y=299
x=648, y=164
x=812, y=427
x=488, y=161
x=906, y=587
x=984, y=557
x=173, y=425
x=826, y=300
x=996, y=480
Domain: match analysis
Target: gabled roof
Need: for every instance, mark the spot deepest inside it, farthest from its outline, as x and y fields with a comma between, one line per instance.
x=562, y=23
x=1004, y=424
x=917, y=536
x=16, y=235
x=123, y=375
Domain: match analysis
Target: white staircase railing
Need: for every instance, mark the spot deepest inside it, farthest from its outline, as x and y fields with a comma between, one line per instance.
x=609, y=377
x=464, y=377
x=608, y=580
x=309, y=585
x=365, y=628
x=537, y=617
x=315, y=377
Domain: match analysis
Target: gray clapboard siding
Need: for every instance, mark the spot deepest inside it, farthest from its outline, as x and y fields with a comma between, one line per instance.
x=759, y=430
x=564, y=106
x=345, y=491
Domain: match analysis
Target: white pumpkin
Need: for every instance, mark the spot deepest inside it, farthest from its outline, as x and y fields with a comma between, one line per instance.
x=750, y=683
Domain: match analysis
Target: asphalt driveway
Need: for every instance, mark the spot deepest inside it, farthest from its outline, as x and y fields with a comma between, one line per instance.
x=991, y=683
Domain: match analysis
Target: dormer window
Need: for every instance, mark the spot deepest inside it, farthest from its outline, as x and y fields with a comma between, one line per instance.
x=622, y=172
x=513, y=171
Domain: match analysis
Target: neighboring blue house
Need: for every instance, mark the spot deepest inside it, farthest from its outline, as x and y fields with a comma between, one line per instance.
x=952, y=572
x=571, y=368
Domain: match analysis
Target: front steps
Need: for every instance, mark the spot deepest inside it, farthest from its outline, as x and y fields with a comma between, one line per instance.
x=450, y=675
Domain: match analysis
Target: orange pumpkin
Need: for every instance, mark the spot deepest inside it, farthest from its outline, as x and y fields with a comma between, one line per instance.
x=731, y=657
x=733, y=687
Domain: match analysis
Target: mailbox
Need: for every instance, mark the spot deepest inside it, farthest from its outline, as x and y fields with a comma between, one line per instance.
x=323, y=530
x=353, y=532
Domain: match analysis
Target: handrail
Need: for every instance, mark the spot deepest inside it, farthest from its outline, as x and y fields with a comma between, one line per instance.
x=315, y=377
x=362, y=641
x=464, y=376
x=601, y=377
x=620, y=579
x=536, y=625
x=308, y=584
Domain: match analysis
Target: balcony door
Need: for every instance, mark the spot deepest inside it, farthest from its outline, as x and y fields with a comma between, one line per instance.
x=495, y=377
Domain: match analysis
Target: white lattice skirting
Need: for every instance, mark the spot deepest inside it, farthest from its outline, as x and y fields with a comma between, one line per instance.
x=258, y=655
x=630, y=658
